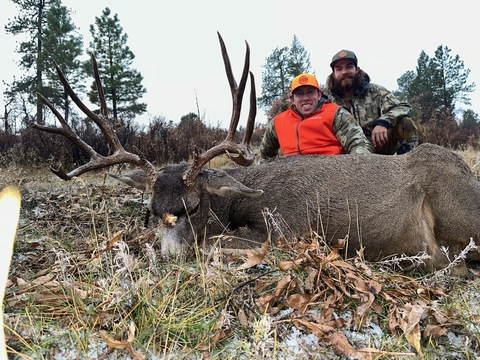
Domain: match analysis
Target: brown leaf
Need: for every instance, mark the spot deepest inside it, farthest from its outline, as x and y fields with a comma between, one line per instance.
x=362, y=266
x=333, y=336
x=255, y=257
x=114, y=239
x=242, y=318
x=310, y=282
x=434, y=330
x=410, y=325
x=328, y=307
x=111, y=342
x=299, y=301
x=82, y=294
x=282, y=286
x=374, y=287
x=317, y=329
x=268, y=300
x=362, y=309
x=392, y=319
x=287, y=265
x=340, y=244
x=333, y=255
x=262, y=301
x=119, y=344
x=340, y=345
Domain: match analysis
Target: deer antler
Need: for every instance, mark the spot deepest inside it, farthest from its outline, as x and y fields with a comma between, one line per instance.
x=97, y=161
x=241, y=153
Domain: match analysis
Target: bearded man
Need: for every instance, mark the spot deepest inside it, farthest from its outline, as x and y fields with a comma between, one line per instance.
x=385, y=120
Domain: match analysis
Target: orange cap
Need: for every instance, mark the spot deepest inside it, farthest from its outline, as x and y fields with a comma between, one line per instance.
x=304, y=79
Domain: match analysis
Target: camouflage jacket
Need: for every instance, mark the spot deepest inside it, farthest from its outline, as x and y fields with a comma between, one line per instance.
x=345, y=128
x=371, y=105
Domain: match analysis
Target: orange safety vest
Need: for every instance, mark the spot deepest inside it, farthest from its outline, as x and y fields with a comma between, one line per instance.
x=312, y=135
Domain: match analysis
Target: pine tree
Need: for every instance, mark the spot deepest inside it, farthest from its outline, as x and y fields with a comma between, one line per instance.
x=122, y=84
x=61, y=45
x=275, y=77
x=451, y=79
x=31, y=22
x=298, y=59
x=438, y=82
x=279, y=70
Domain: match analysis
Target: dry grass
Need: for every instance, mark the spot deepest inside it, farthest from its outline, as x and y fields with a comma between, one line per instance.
x=87, y=283
x=472, y=158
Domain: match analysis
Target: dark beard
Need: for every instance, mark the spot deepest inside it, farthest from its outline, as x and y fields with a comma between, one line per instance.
x=340, y=89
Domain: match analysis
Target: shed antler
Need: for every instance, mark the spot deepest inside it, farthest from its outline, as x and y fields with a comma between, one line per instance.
x=97, y=161
x=241, y=153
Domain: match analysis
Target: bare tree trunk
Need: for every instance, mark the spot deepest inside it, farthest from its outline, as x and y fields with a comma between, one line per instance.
x=41, y=6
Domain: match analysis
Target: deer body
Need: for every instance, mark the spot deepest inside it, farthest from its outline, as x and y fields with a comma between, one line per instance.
x=390, y=205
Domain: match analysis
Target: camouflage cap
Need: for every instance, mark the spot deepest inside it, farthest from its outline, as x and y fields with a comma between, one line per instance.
x=342, y=55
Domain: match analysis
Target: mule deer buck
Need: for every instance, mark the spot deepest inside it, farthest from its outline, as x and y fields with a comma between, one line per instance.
x=419, y=202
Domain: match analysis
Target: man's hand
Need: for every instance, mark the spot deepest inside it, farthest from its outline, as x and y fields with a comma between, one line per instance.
x=379, y=136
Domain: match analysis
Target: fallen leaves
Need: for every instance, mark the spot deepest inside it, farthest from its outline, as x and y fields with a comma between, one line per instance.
x=317, y=278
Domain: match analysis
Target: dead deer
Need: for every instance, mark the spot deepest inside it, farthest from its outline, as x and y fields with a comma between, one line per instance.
x=424, y=201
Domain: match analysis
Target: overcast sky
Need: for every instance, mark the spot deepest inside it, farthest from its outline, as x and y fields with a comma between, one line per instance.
x=177, y=52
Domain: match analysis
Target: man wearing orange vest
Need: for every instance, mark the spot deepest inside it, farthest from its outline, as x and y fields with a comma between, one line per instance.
x=311, y=125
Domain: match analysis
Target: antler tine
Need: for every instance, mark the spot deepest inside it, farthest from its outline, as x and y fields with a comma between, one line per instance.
x=246, y=156
x=237, y=92
x=97, y=161
x=253, y=111
x=71, y=93
x=98, y=82
x=104, y=126
x=65, y=130
x=240, y=153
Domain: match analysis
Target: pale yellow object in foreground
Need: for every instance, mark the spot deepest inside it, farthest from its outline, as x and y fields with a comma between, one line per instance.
x=9, y=214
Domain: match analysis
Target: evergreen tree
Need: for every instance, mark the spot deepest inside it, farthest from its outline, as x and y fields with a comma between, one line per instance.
x=439, y=82
x=63, y=46
x=279, y=70
x=417, y=87
x=31, y=22
x=451, y=82
x=470, y=128
x=121, y=83
x=405, y=85
x=275, y=77
x=470, y=123
x=298, y=59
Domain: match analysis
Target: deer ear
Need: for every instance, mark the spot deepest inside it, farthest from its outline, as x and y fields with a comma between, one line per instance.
x=137, y=179
x=222, y=184
x=234, y=191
